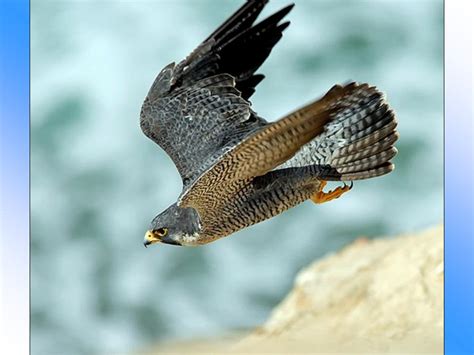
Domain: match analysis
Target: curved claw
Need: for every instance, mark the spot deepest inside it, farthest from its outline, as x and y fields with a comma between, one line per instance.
x=346, y=185
x=321, y=196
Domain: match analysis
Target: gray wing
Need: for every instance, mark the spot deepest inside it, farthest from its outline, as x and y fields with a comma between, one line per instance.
x=199, y=109
x=197, y=125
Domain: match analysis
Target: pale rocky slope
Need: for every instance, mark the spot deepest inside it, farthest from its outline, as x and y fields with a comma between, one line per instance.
x=375, y=296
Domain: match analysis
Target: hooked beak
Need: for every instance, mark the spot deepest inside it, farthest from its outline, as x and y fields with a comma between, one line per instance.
x=150, y=238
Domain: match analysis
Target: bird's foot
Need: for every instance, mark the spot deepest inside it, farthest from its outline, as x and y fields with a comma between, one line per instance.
x=321, y=196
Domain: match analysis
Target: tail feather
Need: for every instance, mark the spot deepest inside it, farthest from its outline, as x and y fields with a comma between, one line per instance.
x=358, y=142
x=352, y=135
x=367, y=163
x=387, y=132
x=358, y=151
x=382, y=169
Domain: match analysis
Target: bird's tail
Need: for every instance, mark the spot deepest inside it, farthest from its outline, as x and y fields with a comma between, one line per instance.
x=357, y=141
x=346, y=135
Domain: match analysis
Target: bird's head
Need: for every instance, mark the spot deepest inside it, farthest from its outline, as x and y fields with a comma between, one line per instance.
x=175, y=226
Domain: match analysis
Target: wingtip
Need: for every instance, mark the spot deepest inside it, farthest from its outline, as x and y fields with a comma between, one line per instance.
x=284, y=26
x=287, y=9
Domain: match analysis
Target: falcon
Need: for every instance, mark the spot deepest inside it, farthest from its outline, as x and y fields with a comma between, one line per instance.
x=237, y=168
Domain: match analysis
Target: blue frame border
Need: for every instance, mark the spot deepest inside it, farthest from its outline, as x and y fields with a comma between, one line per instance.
x=14, y=175
x=459, y=177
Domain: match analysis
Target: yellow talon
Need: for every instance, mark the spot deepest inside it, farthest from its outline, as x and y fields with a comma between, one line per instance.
x=321, y=196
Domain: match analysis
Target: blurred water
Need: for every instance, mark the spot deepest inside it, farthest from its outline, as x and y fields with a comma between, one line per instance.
x=97, y=181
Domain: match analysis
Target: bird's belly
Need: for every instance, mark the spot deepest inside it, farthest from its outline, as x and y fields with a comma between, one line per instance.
x=252, y=205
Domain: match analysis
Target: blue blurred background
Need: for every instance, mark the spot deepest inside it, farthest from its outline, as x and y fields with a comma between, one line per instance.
x=97, y=181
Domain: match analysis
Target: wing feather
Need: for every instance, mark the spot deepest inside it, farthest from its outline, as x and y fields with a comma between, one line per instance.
x=199, y=109
x=278, y=142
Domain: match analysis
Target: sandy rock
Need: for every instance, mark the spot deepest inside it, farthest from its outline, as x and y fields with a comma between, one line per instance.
x=381, y=296
x=375, y=296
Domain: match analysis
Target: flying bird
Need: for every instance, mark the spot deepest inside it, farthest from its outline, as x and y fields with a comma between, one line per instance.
x=237, y=168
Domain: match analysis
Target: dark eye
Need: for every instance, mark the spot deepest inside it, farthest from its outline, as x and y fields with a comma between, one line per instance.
x=161, y=231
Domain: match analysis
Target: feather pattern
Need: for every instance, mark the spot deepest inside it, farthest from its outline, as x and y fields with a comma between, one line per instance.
x=238, y=169
x=357, y=140
x=199, y=109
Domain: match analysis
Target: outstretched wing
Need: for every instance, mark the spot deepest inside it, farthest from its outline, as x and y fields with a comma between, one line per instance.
x=199, y=109
x=256, y=155
x=354, y=131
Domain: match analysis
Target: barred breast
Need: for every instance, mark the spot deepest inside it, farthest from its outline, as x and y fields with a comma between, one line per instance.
x=261, y=198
